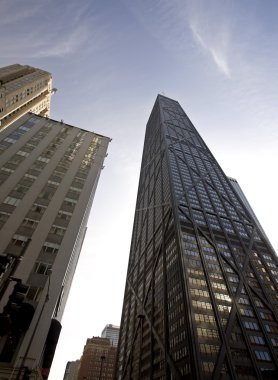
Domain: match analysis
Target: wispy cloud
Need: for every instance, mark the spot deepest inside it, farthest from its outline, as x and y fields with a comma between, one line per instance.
x=218, y=53
x=169, y=23
x=213, y=37
x=18, y=11
x=60, y=32
x=64, y=46
x=53, y=45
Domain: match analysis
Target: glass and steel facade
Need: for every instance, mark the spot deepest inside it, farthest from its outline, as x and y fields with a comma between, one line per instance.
x=111, y=332
x=201, y=298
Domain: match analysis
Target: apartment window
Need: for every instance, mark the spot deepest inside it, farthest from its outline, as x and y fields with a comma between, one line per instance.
x=33, y=293
x=9, y=140
x=48, y=192
x=16, y=159
x=263, y=356
x=70, y=201
x=43, y=159
x=251, y=325
x=78, y=182
x=4, y=145
x=209, y=349
x=22, y=153
x=257, y=339
x=247, y=312
x=7, y=170
x=218, y=285
x=21, y=189
x=208, y=333
x=267, y=316
x=243, y=301
x=38, y=165
x=271, y=328
x=60, y=231
x=59, y=171
x=202, y=305
x=50, y=247
x=259, y=303
x=30, y=223
x=64, y=215
x=19, y=240
x=25, y=127
x=274, y=341
x=81, y=174
x=12, y=201
x=223, y=297
x=15, y=135
x=30, y=176
x=38, y=208
x=50, y=182
x=75, y=189
x=42, y=268
x=199, y=293
x=4, y=216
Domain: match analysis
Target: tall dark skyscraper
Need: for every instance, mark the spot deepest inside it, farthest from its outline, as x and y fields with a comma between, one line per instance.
x=201, y=298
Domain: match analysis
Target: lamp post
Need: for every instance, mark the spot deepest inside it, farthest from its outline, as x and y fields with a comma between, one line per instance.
x=102, y=358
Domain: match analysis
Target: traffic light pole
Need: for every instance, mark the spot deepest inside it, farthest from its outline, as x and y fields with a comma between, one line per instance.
x=22, y=364
x=6, y=282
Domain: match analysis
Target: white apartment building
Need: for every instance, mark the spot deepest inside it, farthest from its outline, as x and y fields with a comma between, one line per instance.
x=48, y=175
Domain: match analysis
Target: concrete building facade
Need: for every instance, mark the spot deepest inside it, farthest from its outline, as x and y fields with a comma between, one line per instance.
x=71, y=371
x=111, y=332
x=201, y=296
x=49, y=174
x=98, y=360
x=23, y=89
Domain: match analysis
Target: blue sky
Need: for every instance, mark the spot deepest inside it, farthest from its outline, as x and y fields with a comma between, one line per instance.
x=109, y=59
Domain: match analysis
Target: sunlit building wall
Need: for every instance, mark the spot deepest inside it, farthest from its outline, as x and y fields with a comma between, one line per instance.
x=49, y=173
x=23, y=89
x=201, y=298
x=98, y=360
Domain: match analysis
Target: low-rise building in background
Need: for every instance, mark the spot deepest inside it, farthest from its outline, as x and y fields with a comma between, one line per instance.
x=98, y=360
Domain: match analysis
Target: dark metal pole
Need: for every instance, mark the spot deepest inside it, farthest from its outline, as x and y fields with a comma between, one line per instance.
x=101, y=363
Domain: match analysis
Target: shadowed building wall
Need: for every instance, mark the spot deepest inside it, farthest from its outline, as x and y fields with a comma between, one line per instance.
x=71, y=371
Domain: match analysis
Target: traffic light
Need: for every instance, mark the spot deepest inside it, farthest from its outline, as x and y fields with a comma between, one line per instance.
x=26, y=374
x=16, y=298
x=5, y=324
x=4, y=262
x=20, y=313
